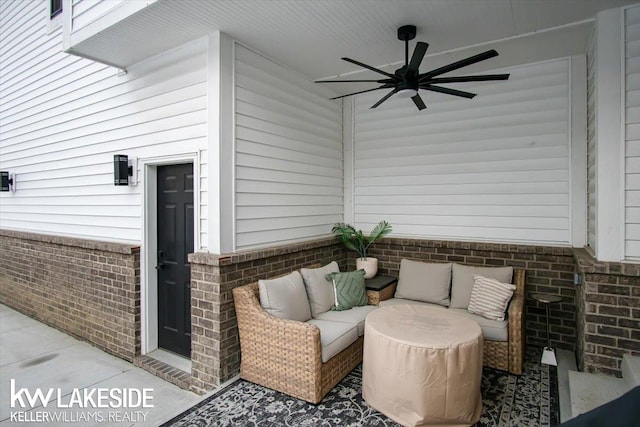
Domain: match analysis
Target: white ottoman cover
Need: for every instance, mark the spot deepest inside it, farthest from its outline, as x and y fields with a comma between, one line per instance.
x=422, y=365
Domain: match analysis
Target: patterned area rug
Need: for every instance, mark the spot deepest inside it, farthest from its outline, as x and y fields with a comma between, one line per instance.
x=508, y=400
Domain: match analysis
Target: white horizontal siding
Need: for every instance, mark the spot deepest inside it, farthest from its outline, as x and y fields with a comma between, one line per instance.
x=495, y=168
x=84, y=12
x=591, y=144
x=62, y=119
x=632, y=133
x=288, y=176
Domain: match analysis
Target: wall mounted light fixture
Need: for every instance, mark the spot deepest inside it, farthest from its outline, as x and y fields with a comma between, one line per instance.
x=124, y=170
x=7, y=181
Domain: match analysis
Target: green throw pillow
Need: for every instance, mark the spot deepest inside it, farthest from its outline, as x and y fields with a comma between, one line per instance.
x=349, y=289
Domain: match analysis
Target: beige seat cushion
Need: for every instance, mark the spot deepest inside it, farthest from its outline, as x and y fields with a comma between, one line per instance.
x=462, y=281
x=426, y=282
x=320, y=290
x=493, y=330
x=334, y=336
x=354, y=316
x=285, y=297
x=396, y=301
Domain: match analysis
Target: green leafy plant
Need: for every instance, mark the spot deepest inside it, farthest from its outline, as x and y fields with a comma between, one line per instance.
x=355, y=240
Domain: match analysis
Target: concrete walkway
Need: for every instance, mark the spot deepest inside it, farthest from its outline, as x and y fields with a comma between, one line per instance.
x=35, y=357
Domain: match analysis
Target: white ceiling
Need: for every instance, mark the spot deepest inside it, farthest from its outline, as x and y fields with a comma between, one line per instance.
x=310, y=36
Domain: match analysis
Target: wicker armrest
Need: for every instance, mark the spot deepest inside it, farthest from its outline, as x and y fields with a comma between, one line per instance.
x=516, y=324
x=270, y=340
x=515, y=317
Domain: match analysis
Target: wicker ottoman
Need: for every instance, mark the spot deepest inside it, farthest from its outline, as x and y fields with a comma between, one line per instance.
x=422, y=365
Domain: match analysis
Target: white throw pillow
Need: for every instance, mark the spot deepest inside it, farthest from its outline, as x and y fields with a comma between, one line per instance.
x=320, y=290
x=285, y=297
x=462, y=281
x=490, y=297
x=423, y=281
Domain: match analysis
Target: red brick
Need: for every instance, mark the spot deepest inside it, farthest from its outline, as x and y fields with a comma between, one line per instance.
x=614, y=311
x=629, y=323
x=614, y=290
x=616, y=332
x=602, y=320
x=629, y=345
x=597, y=339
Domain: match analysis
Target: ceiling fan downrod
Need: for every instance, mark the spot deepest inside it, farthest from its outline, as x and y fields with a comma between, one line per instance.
x=406, y=33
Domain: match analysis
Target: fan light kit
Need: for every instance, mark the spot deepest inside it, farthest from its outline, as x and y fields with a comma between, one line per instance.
x=407, y=93
x=407, y=80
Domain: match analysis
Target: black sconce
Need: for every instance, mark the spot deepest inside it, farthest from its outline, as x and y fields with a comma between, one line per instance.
x=7, y=181
x=123, y=168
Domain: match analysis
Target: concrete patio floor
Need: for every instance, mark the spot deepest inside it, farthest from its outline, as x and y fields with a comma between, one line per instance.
x=37, y=356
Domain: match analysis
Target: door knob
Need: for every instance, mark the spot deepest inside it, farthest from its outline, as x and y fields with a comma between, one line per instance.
x=160, y=266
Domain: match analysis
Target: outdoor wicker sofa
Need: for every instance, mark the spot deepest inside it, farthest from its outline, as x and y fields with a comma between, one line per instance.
x=504, y=341
x=286, y=355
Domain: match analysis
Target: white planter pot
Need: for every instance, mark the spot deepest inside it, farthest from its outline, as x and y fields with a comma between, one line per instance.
x=369, y=265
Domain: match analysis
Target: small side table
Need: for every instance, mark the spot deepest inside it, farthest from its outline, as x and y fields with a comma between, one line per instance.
x=380, y=288
x=548, y=354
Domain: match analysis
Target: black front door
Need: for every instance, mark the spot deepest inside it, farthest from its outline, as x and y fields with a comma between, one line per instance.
x=175, y=241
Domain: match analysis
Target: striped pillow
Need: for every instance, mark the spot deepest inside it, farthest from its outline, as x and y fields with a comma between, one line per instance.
x=490, y=298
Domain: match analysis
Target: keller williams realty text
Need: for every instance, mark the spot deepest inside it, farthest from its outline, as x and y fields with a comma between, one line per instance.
x=92, y=405
x=78, y=417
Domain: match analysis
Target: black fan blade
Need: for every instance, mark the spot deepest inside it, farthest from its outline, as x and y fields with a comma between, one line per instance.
x=355, y=81
x=418, y=54
x=479, y=78
x=384, y=73
x=448, y=91
x=418, y=101
x=362, y=91
x=459, y=64
x=384, y=98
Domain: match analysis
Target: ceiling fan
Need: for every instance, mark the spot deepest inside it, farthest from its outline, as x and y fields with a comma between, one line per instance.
x=407, y=80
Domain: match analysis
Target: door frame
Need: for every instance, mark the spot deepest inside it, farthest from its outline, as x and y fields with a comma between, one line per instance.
x=149, y=249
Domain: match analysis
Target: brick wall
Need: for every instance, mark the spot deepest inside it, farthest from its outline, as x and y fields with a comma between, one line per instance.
x=215, y=349
x=92, y=290
x=548, y=269
x=610, y=301
x=89, y=289
x=580, y=332
x=215, y=354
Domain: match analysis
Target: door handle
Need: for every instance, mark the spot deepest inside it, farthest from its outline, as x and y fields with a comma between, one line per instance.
x=160, y=265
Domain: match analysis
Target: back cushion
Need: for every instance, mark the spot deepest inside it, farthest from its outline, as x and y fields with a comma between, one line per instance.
x=427, y=282
x=285, y=297
x=320, y=290
x=462, y=281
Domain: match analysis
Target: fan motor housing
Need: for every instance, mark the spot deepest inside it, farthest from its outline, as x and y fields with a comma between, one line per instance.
x=407, y=32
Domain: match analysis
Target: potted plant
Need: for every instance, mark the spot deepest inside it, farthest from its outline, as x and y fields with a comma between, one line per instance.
x=355, y=240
